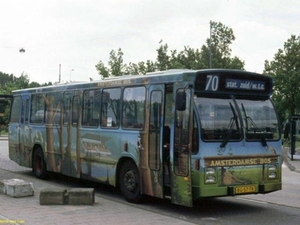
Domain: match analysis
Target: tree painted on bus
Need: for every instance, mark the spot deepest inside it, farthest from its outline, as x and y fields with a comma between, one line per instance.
x=51, y=114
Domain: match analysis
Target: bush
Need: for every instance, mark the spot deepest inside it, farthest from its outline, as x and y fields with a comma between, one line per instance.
x=3, y=129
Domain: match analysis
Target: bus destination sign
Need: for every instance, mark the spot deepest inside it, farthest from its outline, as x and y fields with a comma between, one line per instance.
x=245, y=84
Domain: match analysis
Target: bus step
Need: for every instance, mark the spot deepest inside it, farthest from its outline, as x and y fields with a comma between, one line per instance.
x=167, y=197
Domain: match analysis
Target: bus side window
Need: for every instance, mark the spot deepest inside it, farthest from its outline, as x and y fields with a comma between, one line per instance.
x=110, y=108
x=75, y=105
x=134, y=107
x=16, y=109
x=91, y=108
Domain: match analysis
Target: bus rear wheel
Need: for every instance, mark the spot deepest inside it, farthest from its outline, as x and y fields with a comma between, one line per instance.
x=129, y=181
x=39, y=164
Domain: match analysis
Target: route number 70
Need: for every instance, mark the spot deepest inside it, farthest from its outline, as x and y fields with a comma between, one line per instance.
x=212, y=83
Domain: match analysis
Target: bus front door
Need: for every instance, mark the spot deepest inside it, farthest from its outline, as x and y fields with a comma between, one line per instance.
x=180, y=148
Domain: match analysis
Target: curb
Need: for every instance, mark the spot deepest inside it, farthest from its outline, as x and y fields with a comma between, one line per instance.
x=287, y=162
x=74, y=196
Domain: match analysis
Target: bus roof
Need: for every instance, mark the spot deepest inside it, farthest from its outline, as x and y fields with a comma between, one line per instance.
x=168, y=76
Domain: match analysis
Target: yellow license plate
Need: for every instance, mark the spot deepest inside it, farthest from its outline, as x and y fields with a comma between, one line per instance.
x=244, y=189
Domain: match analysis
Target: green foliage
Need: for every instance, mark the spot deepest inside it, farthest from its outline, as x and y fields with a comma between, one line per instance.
x=188, y=58
x=8, y=83
x=116, y=67
x=285, y=69
x=163, y=60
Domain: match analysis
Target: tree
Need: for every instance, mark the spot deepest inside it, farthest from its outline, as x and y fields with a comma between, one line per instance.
x=219, y=46
x=285, y=69
x=188, y=58
x=162, y=60
x=141, y=67
x=8, y=83
x=116, y=66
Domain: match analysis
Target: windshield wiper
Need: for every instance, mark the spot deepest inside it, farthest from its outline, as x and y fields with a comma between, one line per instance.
x=230, y=126
x=255, y=127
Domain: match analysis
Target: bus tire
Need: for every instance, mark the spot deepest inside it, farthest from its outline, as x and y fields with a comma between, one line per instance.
x=129, y=181
x=39, y=165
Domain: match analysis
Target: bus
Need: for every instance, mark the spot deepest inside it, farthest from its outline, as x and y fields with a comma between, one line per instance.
x=181, y=135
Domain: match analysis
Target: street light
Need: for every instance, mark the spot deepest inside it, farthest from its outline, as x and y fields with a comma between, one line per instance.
x=70, y=73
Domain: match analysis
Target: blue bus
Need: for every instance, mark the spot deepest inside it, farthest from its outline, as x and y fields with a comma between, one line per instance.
x=177, y=134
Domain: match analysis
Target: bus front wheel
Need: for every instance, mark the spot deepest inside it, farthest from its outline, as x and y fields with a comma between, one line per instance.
x=39, y=164
x=130, y=182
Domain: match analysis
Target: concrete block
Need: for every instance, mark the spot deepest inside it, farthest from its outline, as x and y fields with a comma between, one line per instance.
x=16, y=188
x=2, y=187
x=54, y=196
x=81, y=196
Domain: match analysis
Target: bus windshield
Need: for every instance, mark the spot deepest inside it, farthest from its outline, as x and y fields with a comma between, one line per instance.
x=220, y=119
x=259, y=118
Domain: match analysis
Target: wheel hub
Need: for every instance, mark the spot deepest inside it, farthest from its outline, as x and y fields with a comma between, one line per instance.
x=130, y=181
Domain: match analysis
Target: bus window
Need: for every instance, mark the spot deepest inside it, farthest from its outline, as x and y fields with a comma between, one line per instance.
x=195, y=137
x=53, y=107
x=133, y=107
x=155, y=124
x=181, y=139
x=75, y=109
x=37, y=112
x=219, y=119
x=16, y=109
x=260, y=119
x=111, y=107
x=25, y=111
x=67, y=107
x=91, y=108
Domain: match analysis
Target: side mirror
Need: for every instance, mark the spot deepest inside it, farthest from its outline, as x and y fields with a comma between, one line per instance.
x=180, y=103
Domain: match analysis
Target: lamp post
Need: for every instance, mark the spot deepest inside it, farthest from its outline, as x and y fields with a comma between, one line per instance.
x=210, y=53
x=70, y=73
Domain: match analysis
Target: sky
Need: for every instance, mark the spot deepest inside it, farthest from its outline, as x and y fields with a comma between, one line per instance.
x=65, y=39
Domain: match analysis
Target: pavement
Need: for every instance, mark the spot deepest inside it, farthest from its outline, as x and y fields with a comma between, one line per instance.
x=27, y=210
x=291, y=161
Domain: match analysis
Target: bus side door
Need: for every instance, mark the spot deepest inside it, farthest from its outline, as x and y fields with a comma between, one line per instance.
x=180, y=147
x=151, y=156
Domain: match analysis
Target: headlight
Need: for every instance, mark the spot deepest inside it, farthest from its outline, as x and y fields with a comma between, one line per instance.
x=210, y=170
x=210, y=175
x=272, y=175
x=272, y=167
x=210, y=179
x=272, y=171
